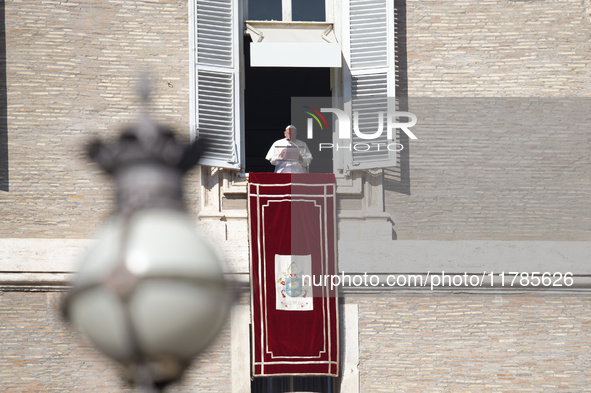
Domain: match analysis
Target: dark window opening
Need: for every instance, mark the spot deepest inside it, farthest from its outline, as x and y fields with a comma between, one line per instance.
x=264, y=10
x=268, y=110
x=308, y=11
x=293, y=384
x=301, y=10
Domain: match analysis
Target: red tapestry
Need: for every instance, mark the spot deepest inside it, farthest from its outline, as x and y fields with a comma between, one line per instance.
x=295, y=322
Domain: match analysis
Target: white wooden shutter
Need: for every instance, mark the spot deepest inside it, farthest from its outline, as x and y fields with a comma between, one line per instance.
x=369, y=78
x=216, y=118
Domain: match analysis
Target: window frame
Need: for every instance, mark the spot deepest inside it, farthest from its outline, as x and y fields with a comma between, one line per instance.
x=343, y=160
x=286, y=14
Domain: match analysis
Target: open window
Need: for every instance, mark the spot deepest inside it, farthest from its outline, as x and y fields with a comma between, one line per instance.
x=268, y=108
x=289, y=10
x=292, y=33
x=221, y=86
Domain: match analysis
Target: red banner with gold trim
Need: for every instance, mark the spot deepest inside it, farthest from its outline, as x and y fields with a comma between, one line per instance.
x=295, y=322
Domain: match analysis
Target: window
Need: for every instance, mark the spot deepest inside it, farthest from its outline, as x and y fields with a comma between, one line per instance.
x=218, y=67
x=308, y=10
x=265, y=10
x=287, y=10
x=268, y=109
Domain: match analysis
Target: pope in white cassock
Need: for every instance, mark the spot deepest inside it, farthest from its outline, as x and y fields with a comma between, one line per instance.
x=290, y=155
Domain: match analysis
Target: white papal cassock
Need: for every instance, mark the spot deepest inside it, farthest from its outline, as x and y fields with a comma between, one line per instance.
x=290, y=161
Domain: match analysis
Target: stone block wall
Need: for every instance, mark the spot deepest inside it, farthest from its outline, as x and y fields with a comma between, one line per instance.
x=71, y=74
x=72, y=69
x=499, y=48
x=502, y=94
x=443, y=342
x=495, y=169
x=39, y=353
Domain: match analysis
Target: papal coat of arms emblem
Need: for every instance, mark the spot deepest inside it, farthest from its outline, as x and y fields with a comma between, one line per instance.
x=293, y=287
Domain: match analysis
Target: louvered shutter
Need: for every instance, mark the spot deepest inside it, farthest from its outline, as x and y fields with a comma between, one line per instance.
x=369, y=78
x=216, y=110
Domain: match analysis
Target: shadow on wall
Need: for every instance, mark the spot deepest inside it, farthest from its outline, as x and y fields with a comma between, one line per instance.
x=397, y=179
x=3, y=106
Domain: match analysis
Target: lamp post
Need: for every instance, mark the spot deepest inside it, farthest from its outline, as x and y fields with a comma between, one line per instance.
x=151, y=292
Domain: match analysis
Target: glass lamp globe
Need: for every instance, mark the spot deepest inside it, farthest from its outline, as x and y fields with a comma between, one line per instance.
x=150, y=293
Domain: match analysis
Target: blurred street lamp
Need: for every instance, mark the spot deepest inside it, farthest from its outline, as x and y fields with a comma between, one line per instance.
x=151, y=292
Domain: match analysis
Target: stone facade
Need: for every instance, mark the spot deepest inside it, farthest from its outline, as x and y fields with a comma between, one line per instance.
x=71, y=72
x=504, y=48
x=474, y=343
x=495, y=169
x=69, y=61
x=419, y=342
x=503, y=154
x=41, y=354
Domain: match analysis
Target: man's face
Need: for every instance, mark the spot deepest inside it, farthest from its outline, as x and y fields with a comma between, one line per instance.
x=291, y=133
